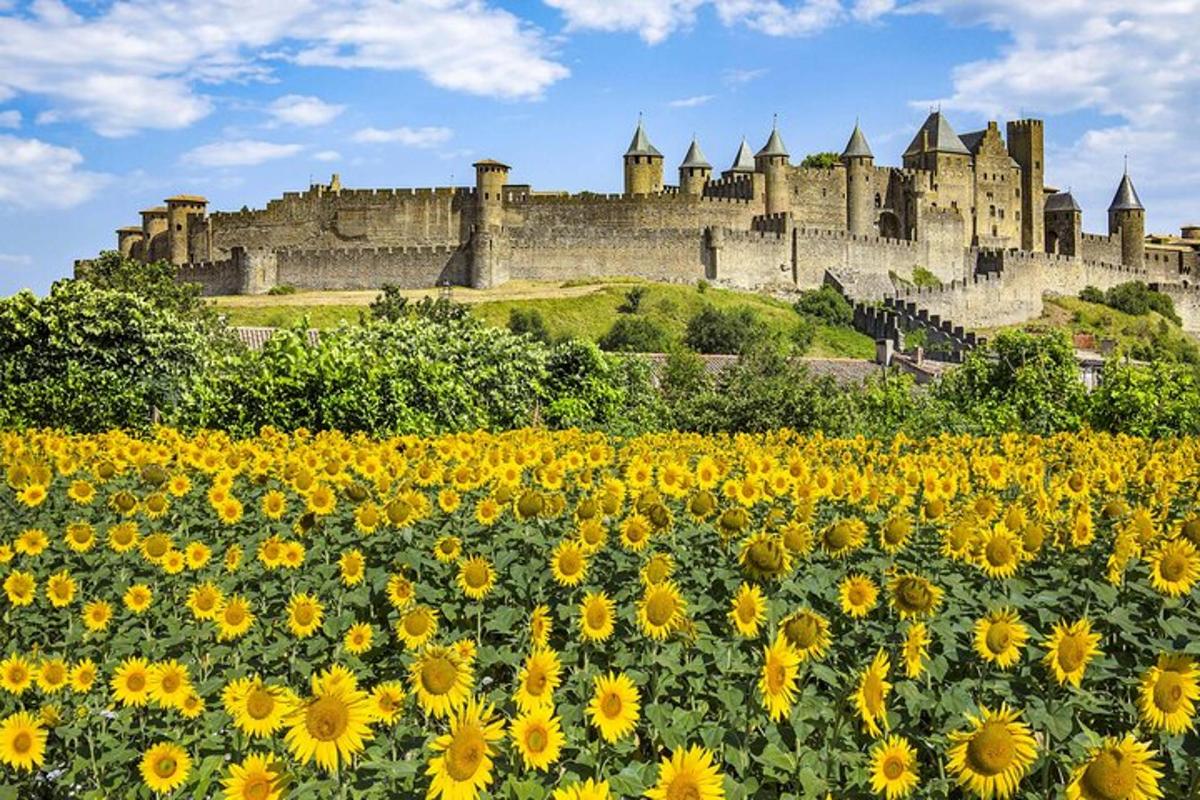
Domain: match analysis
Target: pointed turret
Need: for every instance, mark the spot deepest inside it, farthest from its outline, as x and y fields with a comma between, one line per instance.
x=936, y=136
x=772, y=161
x=643, y=164
x=857, y=147
x=774, y=146
x=744, y=160
x=1126, y=198
x=1127, y=216
x=695, y=171
x=695, y=157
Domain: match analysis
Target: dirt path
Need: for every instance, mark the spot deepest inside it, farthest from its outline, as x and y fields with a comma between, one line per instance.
x=513, y=290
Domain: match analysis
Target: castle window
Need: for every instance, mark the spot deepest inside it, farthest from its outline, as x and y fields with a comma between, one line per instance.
x=1002, y=213
x=994, y=233
x=954, y=204
x=878, y=201
x=991, y=211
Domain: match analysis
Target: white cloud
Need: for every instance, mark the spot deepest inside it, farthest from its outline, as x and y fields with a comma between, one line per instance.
x=409, y=137
x=36, y=175
x=655, y=20
x=143, y=64
x=328, y=155
x=691, y=102
x=10, y=119
x=304, y=111
x=740, y=77
x=16, y=260
x=239, y=153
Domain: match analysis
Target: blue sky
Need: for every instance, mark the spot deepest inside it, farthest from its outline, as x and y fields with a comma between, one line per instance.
x=108, y=107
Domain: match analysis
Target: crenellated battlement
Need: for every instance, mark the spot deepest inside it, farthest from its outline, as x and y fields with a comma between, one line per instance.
x=342, y=252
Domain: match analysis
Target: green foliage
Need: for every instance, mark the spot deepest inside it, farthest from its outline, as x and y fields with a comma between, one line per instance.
x=393, y=306
x=1134, y=298
x=926, y=279
x=154, y=282
x=1019, y=382
x=1091, y=294
x=634, y=334
x=633, y=300
x=715, y=330
x=917, y=337
x=282, y=289
x=86, y=358
x=529, y=322
x=827, y=305
x=702, y=286
x=1152, y=401
x=825, y=160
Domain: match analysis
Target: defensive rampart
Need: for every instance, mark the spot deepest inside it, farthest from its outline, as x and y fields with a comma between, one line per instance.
x=372, y=267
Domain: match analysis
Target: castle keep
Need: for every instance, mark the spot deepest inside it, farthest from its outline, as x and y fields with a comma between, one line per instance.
x=972, y=209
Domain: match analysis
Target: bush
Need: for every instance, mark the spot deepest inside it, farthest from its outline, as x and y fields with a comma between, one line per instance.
x=392, y=306
x=924, y=278
x=633, y=300
x=712, y=330
x=282, y=289
x=529, y=322
x=827, y=305
x=635, y=335
x=826, y=160
x=1091, y=294
x=702, y=286
x=88, y=359
x=153, y=282
x=1138, y=299
x=1153, y=401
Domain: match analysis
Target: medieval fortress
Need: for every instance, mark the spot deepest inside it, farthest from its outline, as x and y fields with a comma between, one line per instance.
x=973, y=209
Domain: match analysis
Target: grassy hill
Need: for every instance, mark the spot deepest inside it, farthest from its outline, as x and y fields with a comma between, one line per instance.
x=583, y=309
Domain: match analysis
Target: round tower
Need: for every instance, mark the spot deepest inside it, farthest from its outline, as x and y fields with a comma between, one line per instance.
x=154, y=233
x=129, y=241
x=695, y=171
x=1127, y=215
x=772, y=162
x=490, y=177
x=643, y=165
x=860, y=200
x=180, y=210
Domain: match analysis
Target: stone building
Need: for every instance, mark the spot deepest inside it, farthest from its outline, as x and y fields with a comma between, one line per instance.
x=764, y=223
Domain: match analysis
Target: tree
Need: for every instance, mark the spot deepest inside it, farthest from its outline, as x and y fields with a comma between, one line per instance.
x=1156, y=400
x=827, y=305
x=712, y=330
x=826, y=160
x=634, y=334
x=529, y=322
x=152, y=281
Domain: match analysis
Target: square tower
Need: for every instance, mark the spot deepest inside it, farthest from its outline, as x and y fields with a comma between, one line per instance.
x=1026, y=145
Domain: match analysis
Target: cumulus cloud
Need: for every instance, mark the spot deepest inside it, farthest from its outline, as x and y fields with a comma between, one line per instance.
x=303, y=111
x=10, y=119
x=328, y=155
x=38, y=175
x=140, y=64
x=409, y=137
x=691, y=102
x=239, y=153
x=655, y=20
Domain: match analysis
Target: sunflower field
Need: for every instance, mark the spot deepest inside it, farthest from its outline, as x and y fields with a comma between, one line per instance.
x=576, y=616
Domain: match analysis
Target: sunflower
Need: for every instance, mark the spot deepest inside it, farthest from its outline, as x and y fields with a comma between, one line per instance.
x=83, y=676
x=916, y=649
x=1174, y=567
x=169, y=683
x=843, y=536
x=894, y=533
x=447, y=549
x=568, y=562
x=417, y=626
x=358, y=638
x=992, y=757
x=462, y=766
x=258, y=709
x=689, y=773
x=1123, y=768
x=234, y=618
x=80, y=537
x=32, y=542
x=596, y=616
x=258, y=777
x=539, y=625
x=657, y=569
x=635, y=532
x=274, y=504
x=131, y=682
x=584, y=790
x=894, y=768
x=60, y=589
x=777, y=682
x=386, y=699
x=871, y=695
x=52, y=675
x=441, y=680
x=749, y=609
x=20, y=587
x=137, y=598
x=538, y=679
x=16, y=674
x=22, y=741
x=304, y=615
x=914, y=596
x=538, y=737
x=1168, y=695
x=96, y=615
x=858, y=594
x=999, y=637
x=999, y=553
x=332, y=725
x=1069, y=649
x=661, y=609
x=165, y=767
x=476, y=577
x=352, y=567
x=764, y=557
x=197, y=554
x=614, y=706
x=808, y=634
x=400, y=592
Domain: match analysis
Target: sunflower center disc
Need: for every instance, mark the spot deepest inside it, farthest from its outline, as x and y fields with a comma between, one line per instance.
x=1071, y=653
x=683, y=788
x=535, y=740
x=660, y=608
x=304, y=614
x=999, y=553
x=257, y=788
x=22, y=743
x=464, y=754
x=1168, y=692
x=135, y=683
x=611, y=705
x=998, y=637
x=764, y=557
x=259, y=704
x=477, y=575
x=776, y=676
x=801, y=632
x=414, y=624
x=165, y=767
x=1110, y=776
x=893, y=768
x=1173, y=567
x=596, y=616
x=327, y=719
x=991, y=749
x=438, y=675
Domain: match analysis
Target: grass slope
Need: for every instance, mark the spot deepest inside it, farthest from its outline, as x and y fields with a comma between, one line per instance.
x=583, y=309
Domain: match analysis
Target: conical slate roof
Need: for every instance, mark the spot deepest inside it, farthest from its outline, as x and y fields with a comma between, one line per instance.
x=695, y=157
x=1062, y=201
x=942, y=138
x=1126, y=198
x=640, y=146
x=744, y=160
x=857, y=147
x=774, y=145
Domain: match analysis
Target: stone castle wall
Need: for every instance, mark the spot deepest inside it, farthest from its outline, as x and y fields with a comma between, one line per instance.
x=370, y=268
x=676, y=256
x=1187, y=304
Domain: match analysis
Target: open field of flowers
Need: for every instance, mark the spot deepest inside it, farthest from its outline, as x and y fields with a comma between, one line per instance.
x=532, y=615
